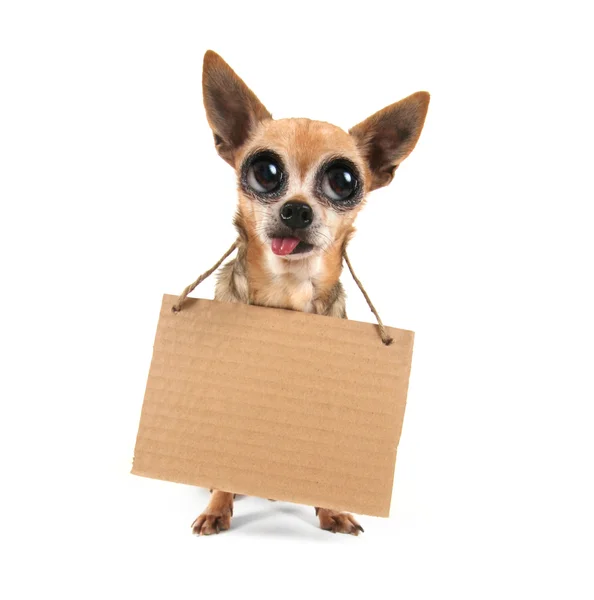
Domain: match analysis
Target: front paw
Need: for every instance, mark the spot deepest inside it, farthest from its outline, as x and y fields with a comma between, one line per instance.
x=210, y=522
x=338, y=522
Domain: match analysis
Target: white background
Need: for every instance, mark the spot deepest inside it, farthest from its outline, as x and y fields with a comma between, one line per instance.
x=112, y=194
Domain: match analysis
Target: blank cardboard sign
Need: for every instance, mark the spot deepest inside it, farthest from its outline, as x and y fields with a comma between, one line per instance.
x=274, y=403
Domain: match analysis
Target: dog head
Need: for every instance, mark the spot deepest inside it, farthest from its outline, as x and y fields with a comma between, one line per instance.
x=302, y=182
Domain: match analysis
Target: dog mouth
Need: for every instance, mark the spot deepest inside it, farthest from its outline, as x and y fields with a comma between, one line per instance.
x=285, y=246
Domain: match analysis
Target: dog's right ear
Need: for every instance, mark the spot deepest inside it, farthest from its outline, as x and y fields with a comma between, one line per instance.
x=232, y=109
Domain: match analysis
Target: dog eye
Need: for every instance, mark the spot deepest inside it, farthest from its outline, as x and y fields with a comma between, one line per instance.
x=339, y=183
x=264, y=176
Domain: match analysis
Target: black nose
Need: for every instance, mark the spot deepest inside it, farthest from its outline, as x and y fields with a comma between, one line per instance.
x=296, y=215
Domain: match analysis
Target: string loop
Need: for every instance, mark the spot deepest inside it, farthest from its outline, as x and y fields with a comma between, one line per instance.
x=385, y=336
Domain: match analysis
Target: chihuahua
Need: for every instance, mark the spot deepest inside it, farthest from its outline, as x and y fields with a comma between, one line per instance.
x=301, y=184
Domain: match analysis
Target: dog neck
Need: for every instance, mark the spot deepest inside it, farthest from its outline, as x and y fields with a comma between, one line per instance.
x=308, y=284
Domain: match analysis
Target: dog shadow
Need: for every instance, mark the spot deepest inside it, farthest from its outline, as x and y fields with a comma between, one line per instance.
x=267, y=522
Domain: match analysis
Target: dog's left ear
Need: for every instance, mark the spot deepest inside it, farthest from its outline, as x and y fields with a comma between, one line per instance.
x=232, y=109
x=390, y=135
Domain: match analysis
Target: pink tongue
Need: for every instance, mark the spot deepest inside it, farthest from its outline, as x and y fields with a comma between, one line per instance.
x=284, y=246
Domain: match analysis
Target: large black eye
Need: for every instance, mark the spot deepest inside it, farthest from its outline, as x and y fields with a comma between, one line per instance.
x=339, y=183
x=264, y=175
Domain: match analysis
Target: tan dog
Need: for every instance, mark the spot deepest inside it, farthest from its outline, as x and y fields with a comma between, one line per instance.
x=301, y=184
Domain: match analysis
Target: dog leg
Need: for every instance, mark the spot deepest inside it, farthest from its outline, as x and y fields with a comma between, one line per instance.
x=216, y=516
x=338, y=522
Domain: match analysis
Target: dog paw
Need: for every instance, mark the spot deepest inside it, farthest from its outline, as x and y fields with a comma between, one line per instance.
x=211, y=522
x=338, y=522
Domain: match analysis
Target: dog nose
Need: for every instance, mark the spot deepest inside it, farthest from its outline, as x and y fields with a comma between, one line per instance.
x=296, y=215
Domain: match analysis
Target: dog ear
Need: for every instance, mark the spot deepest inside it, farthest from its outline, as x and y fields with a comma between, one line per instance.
x=232, y=109
x=389, y=136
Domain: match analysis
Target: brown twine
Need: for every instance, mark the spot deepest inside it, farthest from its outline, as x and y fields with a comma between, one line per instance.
x=386, y=338
x=177, y=306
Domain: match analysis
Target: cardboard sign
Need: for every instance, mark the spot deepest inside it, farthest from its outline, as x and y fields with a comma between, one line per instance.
x=274, y=403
